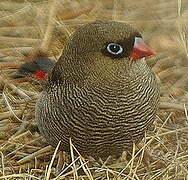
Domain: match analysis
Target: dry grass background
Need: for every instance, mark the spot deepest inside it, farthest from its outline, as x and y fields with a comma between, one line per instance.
x=27, y=25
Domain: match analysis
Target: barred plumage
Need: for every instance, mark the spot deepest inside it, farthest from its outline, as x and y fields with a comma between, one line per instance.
x=103, y=102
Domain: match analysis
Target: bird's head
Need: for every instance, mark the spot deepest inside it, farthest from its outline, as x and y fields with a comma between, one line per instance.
x=100, y=50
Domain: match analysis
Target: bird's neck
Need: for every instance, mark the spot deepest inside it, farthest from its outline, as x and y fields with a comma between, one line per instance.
x=80, y=68
x=114, y=78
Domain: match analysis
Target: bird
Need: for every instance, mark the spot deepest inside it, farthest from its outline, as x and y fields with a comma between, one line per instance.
x=100, y=94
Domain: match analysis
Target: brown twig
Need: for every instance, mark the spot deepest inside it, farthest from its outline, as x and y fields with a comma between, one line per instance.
x=17, y=41
x=170, y=105
x=35, y=154
x=9, y=114
x=51, y=23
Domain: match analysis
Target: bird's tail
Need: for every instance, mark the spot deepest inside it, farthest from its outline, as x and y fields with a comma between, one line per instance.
x=38, y=68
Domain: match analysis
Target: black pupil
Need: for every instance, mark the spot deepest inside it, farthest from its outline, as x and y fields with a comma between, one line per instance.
x=114, y=48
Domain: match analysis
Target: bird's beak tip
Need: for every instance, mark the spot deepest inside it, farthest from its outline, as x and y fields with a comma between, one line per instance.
x=141, y=50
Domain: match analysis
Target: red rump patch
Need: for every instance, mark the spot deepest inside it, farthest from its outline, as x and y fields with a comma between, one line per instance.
x=40, y=75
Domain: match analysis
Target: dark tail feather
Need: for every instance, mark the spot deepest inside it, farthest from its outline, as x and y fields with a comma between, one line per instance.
x=39, y=68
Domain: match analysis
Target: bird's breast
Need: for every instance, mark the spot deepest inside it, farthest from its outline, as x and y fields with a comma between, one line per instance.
x=100, y=116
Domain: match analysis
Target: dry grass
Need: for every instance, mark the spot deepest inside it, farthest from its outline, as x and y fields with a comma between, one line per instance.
x=28, y=25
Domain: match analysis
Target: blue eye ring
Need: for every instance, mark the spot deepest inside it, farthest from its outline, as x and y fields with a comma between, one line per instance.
x=114, y=48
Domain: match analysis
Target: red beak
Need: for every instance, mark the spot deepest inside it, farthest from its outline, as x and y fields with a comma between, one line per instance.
x=140, y=49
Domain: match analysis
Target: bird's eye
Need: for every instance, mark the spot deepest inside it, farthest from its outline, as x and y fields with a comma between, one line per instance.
x=114, y=48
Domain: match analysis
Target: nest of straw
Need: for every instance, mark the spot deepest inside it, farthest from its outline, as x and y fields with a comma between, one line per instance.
x=27, y=26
